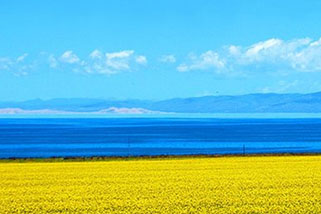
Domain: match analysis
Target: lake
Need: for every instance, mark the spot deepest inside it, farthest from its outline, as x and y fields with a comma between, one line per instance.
x=62, y=137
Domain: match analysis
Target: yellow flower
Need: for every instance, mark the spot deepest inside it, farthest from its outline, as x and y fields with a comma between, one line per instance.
x=275, y=184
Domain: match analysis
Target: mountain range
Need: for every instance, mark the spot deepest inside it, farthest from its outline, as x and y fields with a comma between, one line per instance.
x=249, y=103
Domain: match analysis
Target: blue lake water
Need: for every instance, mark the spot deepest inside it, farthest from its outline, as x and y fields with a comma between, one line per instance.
x=59, y=137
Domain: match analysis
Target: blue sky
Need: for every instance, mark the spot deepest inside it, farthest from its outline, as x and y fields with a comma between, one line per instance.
x=157, y=50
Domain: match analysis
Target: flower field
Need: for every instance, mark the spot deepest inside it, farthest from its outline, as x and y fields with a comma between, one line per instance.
x=272, y=184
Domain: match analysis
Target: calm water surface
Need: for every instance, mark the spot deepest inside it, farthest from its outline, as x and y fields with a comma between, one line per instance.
x=156, y=136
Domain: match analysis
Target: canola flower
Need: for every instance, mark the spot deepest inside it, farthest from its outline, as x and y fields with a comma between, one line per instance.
x=275, y=184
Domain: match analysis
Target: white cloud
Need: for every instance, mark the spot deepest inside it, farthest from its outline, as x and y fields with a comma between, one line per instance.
x=207, y=60
x=168, y=58
x=69, y=57
x=96, y=62
x=53, y=63
x=119, y=60
x=110, y=62
x=262, y=47
x=183, y=68
x=316, y=43
x=307, y=58
x=141, y=60
x=120, y=54
x=273, y=54
x=22, y=57
x=5, y=63
x=298, y=54
x=96, y=54
x=234, y=50
x=17, y=66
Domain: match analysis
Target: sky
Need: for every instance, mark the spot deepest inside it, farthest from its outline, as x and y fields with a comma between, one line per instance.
x=142, y=49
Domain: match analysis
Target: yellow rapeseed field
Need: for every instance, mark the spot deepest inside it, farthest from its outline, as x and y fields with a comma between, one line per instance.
x=284, y=184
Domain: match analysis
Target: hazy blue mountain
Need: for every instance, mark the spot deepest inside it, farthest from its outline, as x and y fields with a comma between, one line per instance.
x=74, y=104
x=251, y=103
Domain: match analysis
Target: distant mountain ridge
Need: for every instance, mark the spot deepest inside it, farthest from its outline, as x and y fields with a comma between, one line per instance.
x=111, y=110
x=250, y=103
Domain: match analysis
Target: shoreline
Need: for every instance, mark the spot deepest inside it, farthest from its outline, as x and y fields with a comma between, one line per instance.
x=144, y=157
